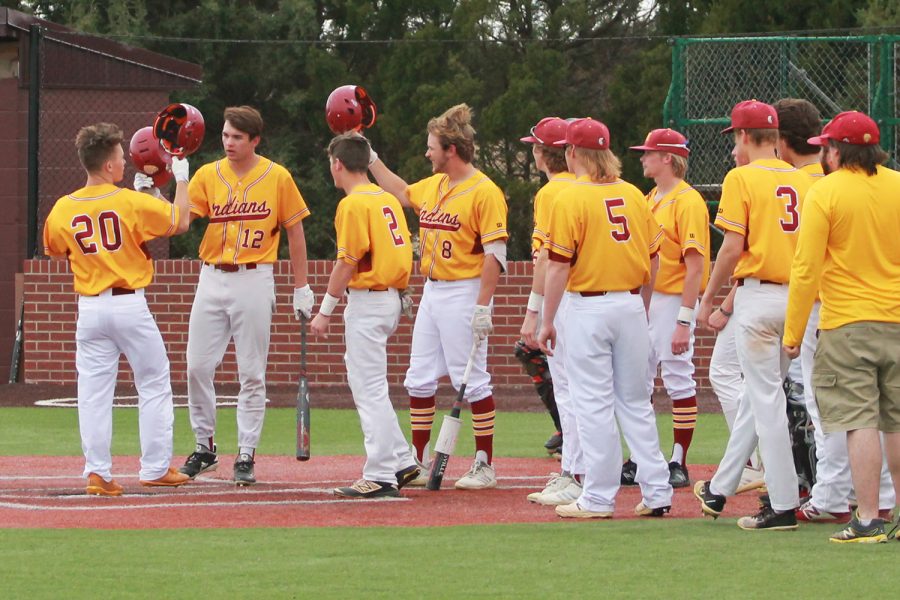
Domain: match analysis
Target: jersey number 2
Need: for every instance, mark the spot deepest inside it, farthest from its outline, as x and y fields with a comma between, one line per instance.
x=110, y=232
x=393, y=225
x=789, y=195
x=620, y=231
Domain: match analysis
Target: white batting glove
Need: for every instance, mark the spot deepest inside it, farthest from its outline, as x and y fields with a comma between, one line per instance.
x=144, y=183
x=303, y=302
x=481, y=322
x=373, y=156
x=181, y=169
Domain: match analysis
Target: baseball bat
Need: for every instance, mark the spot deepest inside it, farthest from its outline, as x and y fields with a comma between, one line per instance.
x=446, y=442
x=17, y=347
x=303, y=399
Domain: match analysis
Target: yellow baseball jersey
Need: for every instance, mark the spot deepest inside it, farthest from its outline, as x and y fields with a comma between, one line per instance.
x=245, y=214
x=814, y=170
x=372, y=235
x=684, y=219
x=102, y=229
x=848, y=252
x=762, y=202
x=543, y=202
x=455, y=223
x=607, y=232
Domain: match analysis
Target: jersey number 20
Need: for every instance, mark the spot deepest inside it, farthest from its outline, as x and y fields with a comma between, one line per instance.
x=110, y=232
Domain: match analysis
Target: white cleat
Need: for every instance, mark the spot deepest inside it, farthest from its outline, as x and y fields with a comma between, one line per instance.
x=480, y=477
x=424, y=474
x=556, y=482
x=567, y=495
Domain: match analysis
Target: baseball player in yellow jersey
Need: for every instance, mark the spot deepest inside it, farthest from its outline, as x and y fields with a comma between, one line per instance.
x=248, y=199
x=849, y=254
x=760, y=213
x=565, y=487
x=462, y=242
x=683, y=273
x=601, y=220
x=374, y=259
x=101, y=229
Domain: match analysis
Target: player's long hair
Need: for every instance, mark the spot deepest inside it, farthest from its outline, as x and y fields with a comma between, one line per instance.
x=602, y=165
x=862, y=158
x=554, y=158
x=454, y=128
x=95, y=144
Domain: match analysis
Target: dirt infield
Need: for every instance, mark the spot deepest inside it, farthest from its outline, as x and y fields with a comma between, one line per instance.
x=49, y=492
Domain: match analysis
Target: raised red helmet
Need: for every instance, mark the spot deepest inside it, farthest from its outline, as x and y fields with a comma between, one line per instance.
x=149, y=157
x=179, y=128
x=349, y=108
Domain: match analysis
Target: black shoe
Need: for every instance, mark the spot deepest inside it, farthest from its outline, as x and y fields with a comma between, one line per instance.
x=768, y=518
x=243, y=470
x=711, y=504
x=678, y=475
x=404, y=476
x=368, y=489
x=764, y=501
x=554, y=444
x=200, y=461
x=629, y=472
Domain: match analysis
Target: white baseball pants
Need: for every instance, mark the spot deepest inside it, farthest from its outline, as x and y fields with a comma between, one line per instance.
x=725, y=375
x=608, y=334
x=370, y=319
x=442, y=339
x=109, y=326
x=235, y=305
x=677, y=370
x=759, y=311
x=572, y=455
x=834, y=486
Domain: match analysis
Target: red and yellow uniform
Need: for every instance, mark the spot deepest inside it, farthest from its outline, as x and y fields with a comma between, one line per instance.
x=814, y=170
x=373, y=236
x=246, y=213
x=608, y=233
x=455, y=223
x=543, y=206
x=684, y=219
x=849, y=252
x=762, y=202
x=103, y=229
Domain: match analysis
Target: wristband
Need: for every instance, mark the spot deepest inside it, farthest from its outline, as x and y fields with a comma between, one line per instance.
x=685, y=315
x=328, y=304
x=535, y=302
x=725, y=312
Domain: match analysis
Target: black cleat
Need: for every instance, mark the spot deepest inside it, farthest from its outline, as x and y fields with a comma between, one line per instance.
x=629, y=472
x=678, y=475
x=711, y=504
x=554, y=444
x=363, y=489
x=768, y=518
x=243, y=470
x=200, y=461
x=404, y=476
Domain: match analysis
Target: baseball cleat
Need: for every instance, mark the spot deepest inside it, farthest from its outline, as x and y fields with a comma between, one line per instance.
x=856, y=533
x=480, y=477
x=808, y=512
x=422, y=479
x=408, y=475
x=97, y=486
x=566, y=495
x=751, y=479
x=642, y=510
x=200, y=461
x=172, y=478
x=711, y=504
x=678, y=475
x=363, y=489
x=573, y=511
x=629, y=473
x=554, y=444
x=769, y=519
x=243, y=470
x=556, y=482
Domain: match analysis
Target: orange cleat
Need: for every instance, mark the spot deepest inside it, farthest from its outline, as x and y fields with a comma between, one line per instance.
x=172, y=478
x=97, y=486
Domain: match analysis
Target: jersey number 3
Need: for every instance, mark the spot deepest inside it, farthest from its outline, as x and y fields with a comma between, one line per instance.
x=110, y=232
x=620, y=231
x=789, y=196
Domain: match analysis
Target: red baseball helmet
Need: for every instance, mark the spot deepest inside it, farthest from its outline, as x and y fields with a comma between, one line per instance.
x=149, y=157
x=349, y=108
x=179, y=128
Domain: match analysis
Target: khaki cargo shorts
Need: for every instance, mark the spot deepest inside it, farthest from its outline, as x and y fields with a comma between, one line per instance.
x=856, y=377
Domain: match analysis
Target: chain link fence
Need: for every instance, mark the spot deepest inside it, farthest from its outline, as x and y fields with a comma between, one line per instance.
x=711, y=75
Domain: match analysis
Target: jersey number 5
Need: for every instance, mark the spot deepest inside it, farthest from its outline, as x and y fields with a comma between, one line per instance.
x=110, y=232
x=393, y=225
x=789, y=196
x=620, y=231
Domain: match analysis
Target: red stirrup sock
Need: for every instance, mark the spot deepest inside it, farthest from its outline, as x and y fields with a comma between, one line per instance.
x=483, y=412
x=421, y=417
x=684, y=419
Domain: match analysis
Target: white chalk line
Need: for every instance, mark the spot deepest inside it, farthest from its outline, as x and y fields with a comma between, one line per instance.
x=243, y=503
x=179, y=401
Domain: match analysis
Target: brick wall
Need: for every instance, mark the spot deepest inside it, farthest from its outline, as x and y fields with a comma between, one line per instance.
x=51, y=311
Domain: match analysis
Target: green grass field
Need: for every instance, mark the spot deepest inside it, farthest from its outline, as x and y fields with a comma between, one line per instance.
x=672, y=558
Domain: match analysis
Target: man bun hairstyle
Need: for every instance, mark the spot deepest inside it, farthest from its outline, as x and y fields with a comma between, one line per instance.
x=454, y=128
x=96, y=143
x=246, y=119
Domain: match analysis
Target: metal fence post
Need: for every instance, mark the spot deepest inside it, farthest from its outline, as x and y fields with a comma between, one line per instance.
x=34, y=121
